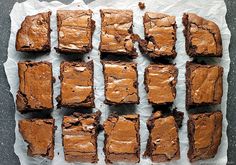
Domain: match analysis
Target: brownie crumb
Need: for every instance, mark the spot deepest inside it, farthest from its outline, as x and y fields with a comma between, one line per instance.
x=141, y=5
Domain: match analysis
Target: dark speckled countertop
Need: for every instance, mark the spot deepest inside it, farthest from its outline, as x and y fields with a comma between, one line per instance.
x=7, y=111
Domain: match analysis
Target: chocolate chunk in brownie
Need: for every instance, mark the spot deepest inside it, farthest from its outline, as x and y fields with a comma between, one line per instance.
x=121, y=82
x=34, y=34
x=39, y=134
x=35, y=86
x=75, y=29
x=80, y=133
x=204, y=133
x=202, y=37
x=203, y=84
x=122, y=139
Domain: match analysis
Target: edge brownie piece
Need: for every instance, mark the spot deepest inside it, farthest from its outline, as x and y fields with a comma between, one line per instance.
x=202, y=37
x=121, y=82
x=122, y=139
x=117, y=32
x=35, y=86
x=39, y=134
x=34, y=34
x=75, y=29
x=204, y=133
x=76, y=85
x=204, y=84
x=163, y=141
x=160, y=81
x=80, y=133
x=160, y=35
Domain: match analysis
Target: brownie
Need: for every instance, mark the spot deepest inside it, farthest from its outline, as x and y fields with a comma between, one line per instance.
x=117, y=32
x=160, y=35
x=160, y=81
x=39, y=134
x=204, y=133
x=76, y=84
x=163, y=141
x=202, y=37
x=122, y=139
x=121, y=82
x=75, y=29
x=34, y=34
x=80, y=133
x=203, y=84
x=35, y=86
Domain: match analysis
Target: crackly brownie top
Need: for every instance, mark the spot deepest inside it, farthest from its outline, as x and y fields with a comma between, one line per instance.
x=116, y=31
x=160, y=83
x=76, y=82
x=39, y=134
x=205, y=83
x=160, y=32
x=35, y=85
x=122, y=134
x=204, y=35
x=75, y=28
x=121, y=82
x=34, y=34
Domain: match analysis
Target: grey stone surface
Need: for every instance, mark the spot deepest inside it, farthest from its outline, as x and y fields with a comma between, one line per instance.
x=7, y=111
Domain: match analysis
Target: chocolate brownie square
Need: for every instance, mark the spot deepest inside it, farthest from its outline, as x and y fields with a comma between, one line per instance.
x=75, y=29
x=160, y=35
x=160, y=81
x=163, y=141
x=117, y=32
x=39, y=134
x=203, y=84
x=35, y=86
x=34, y=34
x=122, y=139
x=204, y=133
x=202, y=37
x=80, y=133
x=76, y=84
x=121, y=82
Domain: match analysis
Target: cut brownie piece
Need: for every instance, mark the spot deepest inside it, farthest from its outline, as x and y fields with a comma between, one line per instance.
x=76, y=84
x=204, y=133
x=121, y=82
x=163, y=141
x=203, y=84
x=34, y=34
x=202, y=37
x=122, y=141
x=160, y=35
x=160, y=81
x=35, y=86
x=117, y=32
x=75, y=29
x=80, y=133
x=39, y=134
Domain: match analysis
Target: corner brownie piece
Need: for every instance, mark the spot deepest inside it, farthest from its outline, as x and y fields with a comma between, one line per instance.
x=117, y=32
x=160, y=35
x=122, y=140
x=35, y=86
x=76, y=84
x=160, y=81
x=80, y=133
x=34, y=34
x=163, y=141
x=39, y=134
x=202, y=37
x=204, y=133
x=75, y=29
x=121, y=82
x=203, y=84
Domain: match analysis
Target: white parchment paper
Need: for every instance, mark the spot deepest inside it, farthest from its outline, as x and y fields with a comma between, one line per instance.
x=214, y=10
